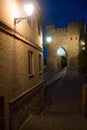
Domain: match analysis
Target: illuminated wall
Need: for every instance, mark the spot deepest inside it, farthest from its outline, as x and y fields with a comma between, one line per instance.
x=22, y=92
x=69, y=38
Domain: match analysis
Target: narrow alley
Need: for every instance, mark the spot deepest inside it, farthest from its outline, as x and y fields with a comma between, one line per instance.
x=64, y=112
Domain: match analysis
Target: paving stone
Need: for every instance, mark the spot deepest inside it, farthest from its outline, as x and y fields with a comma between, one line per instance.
x=64, y=112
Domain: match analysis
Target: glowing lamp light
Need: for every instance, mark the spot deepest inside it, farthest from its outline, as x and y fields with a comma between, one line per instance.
x=49, y=39
x=82, y=43
x=29, y=8
x=83, y=48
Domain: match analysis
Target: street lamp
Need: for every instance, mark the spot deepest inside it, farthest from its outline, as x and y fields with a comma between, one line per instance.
x=83, y=47
x=49, y=39
x=29, y=8
x=82, y=43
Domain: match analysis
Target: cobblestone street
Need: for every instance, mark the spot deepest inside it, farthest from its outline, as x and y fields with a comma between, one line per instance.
x=65, y=109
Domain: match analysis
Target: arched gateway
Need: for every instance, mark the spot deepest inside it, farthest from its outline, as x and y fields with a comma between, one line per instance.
x=64, y=43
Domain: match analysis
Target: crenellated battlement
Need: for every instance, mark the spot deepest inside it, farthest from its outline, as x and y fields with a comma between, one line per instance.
x=74, y=28
x=76, y=23
x=50, y=27
x=68, y=38
x=61, y=29
x=70, y=24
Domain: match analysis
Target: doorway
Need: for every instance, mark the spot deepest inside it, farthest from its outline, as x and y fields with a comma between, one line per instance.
x=62, y=56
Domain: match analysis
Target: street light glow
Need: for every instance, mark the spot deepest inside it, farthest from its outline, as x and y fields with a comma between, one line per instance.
x=49, y=39
x=83, y=48
x=29, y=8
x=82, y=43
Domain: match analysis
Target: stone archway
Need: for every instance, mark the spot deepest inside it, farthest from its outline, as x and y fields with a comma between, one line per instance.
x=61, y=57
x=61, y=51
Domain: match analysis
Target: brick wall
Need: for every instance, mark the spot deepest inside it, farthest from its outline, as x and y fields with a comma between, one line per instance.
x=15, y=42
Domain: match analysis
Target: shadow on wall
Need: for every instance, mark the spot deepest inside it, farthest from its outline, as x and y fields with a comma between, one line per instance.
x=63, y=61
x=82, y=63
x=73, y=64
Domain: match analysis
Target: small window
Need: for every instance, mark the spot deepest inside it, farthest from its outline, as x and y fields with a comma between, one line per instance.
x=30, y=63
x=71, y=38
x=40, y=63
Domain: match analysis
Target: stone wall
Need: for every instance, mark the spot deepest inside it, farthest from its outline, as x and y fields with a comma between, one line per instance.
x=15, y=42
x=69, y=38
x=31, y=102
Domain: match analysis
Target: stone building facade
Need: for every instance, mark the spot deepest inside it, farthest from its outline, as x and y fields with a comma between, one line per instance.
x=70, y=39
x=21, y=64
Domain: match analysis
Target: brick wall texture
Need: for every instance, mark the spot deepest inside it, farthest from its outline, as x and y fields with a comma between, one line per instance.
x=16, y=86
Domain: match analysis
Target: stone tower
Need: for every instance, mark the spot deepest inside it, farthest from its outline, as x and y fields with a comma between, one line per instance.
x=69, y=39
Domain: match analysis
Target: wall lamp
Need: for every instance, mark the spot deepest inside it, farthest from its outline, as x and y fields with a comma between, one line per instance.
x=29, y=8
x=49, y=39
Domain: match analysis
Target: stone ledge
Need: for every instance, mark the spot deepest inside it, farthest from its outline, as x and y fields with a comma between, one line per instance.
x=8, y=30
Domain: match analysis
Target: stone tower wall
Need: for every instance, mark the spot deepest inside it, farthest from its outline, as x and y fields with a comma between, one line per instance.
x=74, y=32
x=68, y=38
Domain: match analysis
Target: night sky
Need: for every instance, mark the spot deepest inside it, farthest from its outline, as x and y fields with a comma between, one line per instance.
x=60, y=12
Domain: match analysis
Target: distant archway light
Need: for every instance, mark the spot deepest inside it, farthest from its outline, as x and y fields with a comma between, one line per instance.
x=61, y=52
